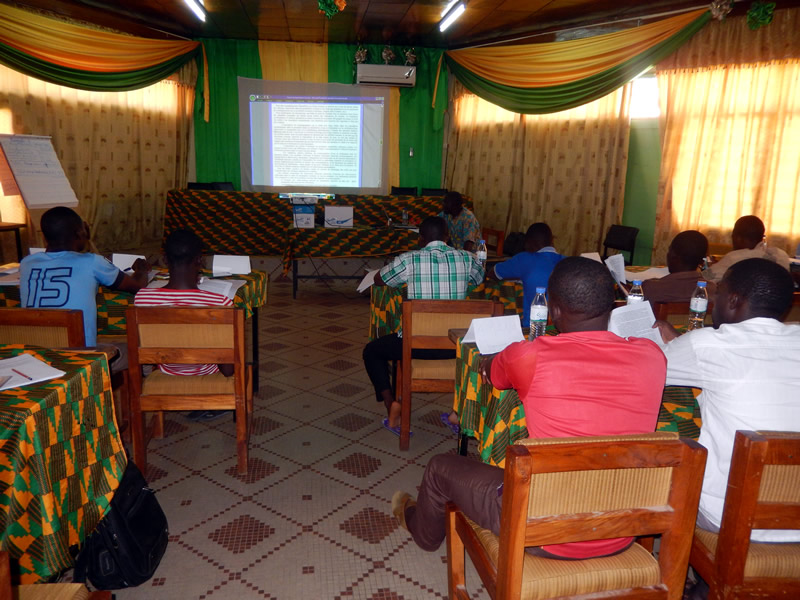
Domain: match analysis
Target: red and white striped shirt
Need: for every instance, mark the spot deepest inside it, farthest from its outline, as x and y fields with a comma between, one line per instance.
x=169, y=297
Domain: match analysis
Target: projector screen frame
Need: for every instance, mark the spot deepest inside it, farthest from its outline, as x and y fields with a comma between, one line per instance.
x=248, y=87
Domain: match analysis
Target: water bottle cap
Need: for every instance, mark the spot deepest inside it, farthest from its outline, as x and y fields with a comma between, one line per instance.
x=541, y=290
x=637, y=282
x=701, y=284
x=481, y=241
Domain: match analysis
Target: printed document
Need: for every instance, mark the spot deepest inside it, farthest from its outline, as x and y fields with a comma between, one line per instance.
x=230, y=265
x=368, y=280
x=25, y=369
x=493, y=334
x=635, y=320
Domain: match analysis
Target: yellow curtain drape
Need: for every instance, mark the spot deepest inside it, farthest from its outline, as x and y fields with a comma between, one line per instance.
x=567, y=168
x=730, y=124
x=121, y=151
x=555, y=63
x=297, y=61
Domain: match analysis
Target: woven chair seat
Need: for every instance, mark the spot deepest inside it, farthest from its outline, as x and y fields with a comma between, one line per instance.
x=158, y=383
x=763, y=560
x=549, y=578
x=434, y=369
x=52, y=591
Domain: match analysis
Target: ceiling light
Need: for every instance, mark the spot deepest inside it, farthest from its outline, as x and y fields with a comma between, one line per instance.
x=455, y=11
x=197, y=8
x=447, y=8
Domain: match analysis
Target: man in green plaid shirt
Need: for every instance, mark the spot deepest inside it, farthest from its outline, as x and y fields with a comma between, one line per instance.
x=435, y=272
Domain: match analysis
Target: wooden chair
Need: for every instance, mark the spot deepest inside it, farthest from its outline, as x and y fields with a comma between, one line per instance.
x=763, y=493
x=426, y=324
x=46, y=327
x=562, y=490
x=494, y=240
x=188, y=335
x=621, y=237
x=433, y=191
x=677, y=313
x=43, y=591
x=404, y=191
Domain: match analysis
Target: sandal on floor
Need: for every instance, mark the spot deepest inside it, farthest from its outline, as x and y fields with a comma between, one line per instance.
x=446, y=422
x=394, y=430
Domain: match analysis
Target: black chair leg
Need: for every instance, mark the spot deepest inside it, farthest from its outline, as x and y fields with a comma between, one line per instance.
x=463, y=446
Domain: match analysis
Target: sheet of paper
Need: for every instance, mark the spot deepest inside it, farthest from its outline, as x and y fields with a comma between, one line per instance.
x=635, y=320
x=224, y=265
x=651, y=273
x=35, y=250
x=124, y=262
x=226, y=287
x=493, y=334
x=338, y=216
x=593, y=256
x=9, y=274
x=26, y=369
x=368, y=280
x=616, y=264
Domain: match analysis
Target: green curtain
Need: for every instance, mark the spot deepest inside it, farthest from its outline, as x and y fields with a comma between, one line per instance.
x=89, y=80
x=570, y=95
x=421, y=127
x=217, y=142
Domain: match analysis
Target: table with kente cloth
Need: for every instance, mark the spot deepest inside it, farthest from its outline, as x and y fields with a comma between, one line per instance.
x=386, y=303
x=496, y=418
x=61, y=458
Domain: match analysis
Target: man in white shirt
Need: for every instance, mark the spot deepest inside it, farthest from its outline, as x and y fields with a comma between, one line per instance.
x=748, y=367
x=748, y=242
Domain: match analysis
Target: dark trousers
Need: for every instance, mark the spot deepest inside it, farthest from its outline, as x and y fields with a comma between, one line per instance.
x=378, y=353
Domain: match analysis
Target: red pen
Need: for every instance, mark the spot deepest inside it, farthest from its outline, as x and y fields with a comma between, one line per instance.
x=20, y=373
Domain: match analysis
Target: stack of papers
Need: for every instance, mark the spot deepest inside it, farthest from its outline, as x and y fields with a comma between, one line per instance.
x=25, y=369
x=225, y=287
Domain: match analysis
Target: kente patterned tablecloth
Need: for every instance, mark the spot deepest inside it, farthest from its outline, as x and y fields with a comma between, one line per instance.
x=111, y=304
x=496, y=418
x=386, y=303
x=61, y=459
x=257, y=224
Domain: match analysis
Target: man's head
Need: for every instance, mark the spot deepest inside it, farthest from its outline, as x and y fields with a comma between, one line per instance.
x=183, y=249
x=538, y=236
x=686, y=252
x=452, y=204
x=747, y=232
x=581, y=295
x=433, y=229
x=64, y=229
x=755, y=287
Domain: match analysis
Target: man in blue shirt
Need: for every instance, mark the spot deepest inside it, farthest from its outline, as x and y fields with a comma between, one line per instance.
x=67, y=277
x=533, y=266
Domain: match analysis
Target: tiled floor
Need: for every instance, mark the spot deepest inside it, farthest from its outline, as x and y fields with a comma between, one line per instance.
x=312, y=519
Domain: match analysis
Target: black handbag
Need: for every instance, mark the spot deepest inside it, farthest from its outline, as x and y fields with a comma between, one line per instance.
x=129, y=541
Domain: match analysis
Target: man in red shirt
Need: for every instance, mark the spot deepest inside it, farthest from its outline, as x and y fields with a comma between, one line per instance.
x=585, y=381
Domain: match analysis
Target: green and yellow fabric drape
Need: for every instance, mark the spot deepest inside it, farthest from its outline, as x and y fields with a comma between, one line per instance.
x=84, y=58
x=550, y=77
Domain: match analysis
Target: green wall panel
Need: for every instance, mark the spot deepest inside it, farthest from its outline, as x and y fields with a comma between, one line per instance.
x=641, y=185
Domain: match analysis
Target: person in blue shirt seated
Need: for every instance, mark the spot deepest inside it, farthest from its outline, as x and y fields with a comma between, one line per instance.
x=65, y=276
x=533, y=266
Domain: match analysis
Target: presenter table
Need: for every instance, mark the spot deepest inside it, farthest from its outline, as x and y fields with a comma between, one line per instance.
x=61, y=459
x=496, y=418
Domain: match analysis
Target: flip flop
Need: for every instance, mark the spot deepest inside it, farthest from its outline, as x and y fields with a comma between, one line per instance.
x=394, y=430
x=446, y=422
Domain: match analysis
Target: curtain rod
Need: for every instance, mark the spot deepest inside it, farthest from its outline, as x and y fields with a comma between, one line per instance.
x=638, y=18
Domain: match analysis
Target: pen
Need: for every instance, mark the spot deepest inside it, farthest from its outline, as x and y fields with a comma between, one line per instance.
x=22, y=374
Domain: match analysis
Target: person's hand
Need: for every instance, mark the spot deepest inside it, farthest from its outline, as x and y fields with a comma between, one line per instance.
x=140, y=265
x=667, y=331
x=485, y=368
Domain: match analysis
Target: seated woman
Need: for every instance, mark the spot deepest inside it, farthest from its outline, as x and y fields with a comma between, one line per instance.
x=183, y=251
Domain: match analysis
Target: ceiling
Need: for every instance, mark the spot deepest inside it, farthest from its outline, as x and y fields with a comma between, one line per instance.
x=396, y=22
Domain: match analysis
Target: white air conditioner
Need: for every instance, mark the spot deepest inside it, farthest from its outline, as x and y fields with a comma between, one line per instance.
x=394, y=75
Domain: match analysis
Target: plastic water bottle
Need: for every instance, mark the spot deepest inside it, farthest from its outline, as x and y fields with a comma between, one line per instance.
x=636, y=294
x=481, y=252
x=538, y=314
x=405, y=217
x=698, y=306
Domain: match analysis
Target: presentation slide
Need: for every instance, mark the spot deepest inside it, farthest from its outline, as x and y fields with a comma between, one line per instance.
x=305, y=137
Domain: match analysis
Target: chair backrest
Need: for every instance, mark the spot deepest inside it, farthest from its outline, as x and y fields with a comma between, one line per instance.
x=404, y=191
x=793, y=316
x=561, y=490
x=48, y=327
x=434, y=191
x=621, y=237
x=763, y=493
x=677, y=313
x=494, y=239
x=426, y=323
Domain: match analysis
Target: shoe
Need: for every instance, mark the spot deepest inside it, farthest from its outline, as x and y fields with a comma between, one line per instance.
x=400, y=502
x=445, y=418
x=394, y=430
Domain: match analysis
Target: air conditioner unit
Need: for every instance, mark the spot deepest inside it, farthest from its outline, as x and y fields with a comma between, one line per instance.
x=394, y=75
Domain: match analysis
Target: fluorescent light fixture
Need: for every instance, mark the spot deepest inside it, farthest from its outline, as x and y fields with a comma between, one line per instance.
x=456, y=11
x=447, y=8
x=197, y=8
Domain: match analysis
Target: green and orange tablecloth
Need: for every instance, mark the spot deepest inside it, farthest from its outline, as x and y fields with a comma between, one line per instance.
x=61, y=458
x=111, y=304
x=386, y=303
x=496, y=418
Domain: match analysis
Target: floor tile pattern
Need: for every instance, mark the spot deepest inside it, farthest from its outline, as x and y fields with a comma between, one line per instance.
x=312, y=518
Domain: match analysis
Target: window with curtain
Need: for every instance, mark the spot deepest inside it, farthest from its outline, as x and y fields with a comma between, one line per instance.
x=121, y=151
x=730, y=149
